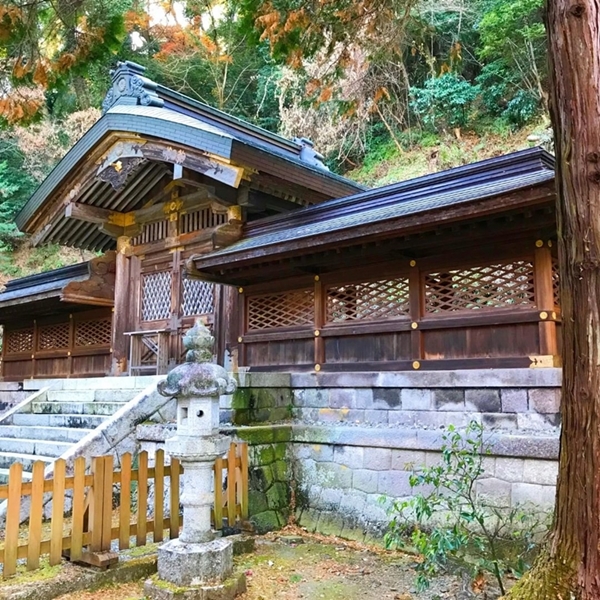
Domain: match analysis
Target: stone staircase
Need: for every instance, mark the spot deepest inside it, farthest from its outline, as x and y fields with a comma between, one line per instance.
x=58, y=414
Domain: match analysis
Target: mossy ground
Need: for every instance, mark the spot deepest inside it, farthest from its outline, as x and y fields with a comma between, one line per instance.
x=320, y=568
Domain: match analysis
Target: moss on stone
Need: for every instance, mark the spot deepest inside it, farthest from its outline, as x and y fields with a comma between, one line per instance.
x=257, y=502
x=266, y=521
x=241, y=399
x=280, y=451
x=256, y=435
x=280, y=470
x=278, y=496
x=282, y=433
x=266, y=455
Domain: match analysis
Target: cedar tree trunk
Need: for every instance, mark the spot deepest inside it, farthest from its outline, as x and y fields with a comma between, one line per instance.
x=568, y=568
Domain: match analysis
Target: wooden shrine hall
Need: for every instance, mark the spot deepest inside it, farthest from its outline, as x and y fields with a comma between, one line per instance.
x=296, y=268
x=452, y=270
x=157, y=179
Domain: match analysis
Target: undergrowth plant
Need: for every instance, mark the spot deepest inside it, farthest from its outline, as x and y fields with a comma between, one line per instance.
x=455, y=528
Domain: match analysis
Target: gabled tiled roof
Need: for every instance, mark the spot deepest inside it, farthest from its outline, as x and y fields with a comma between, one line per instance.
x=485, y=179
x=138, y=105
x=47, y=284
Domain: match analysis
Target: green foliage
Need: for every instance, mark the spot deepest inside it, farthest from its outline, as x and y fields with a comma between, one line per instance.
x=455, y=528
x=15, y=188
x=444, y=101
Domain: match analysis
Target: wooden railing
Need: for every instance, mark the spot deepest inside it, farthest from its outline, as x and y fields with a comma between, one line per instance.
x=86, y=534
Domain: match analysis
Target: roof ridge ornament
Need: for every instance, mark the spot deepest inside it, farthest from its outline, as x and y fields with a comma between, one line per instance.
x=129, y=86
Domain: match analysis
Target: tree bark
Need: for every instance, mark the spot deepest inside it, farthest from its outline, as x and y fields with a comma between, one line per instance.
x=569, y=565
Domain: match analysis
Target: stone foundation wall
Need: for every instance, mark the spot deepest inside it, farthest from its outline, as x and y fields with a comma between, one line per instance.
x=351, y=438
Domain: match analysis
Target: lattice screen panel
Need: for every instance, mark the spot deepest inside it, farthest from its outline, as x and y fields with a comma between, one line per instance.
x=93, y=333
x=491, y=286
x=287, y=309
x=200, y=219
x=19, y=341
x=53, y=337
x=555, y=282
x=197, y=297
x=156, y=296
x=368, y=301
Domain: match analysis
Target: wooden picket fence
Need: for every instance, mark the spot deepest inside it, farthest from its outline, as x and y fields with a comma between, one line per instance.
x=102, y=507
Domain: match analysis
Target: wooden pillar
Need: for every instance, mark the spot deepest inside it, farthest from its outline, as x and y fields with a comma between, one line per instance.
x=544, y=297
x=122, y=308
x=319, y=322
x=242, y=317
x=415, y=290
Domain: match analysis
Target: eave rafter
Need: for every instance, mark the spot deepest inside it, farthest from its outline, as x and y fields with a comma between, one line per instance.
x=115, y=160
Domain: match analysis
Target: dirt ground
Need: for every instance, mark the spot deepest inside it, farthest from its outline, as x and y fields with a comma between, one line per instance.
x=286, y=567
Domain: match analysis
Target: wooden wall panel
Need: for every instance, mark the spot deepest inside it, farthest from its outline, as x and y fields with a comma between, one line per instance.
x=368, y=348
x=280, y=353
x=521, y=339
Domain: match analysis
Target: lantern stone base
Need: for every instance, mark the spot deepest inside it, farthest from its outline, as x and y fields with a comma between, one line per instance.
x=155, y=589
x=189, y=564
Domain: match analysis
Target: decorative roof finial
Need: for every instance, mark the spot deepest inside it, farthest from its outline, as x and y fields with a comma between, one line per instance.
x=129, y=86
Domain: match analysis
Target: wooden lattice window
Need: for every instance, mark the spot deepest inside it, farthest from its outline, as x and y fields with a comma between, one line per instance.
x=288, y=309
x=152, y=232
x=20, y=340
x=555, y=281
x=384, y=299
x=200, y=219
x=53, y=337
x=490, y=286
x=156, y=296
x=93, y=333
x=197, y=297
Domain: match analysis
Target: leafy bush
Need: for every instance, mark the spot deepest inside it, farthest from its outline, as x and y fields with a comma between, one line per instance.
x=522, y=108
x=444, y=102
x=454, y=527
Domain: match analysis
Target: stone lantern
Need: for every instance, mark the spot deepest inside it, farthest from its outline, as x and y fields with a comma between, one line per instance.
x=197, y=557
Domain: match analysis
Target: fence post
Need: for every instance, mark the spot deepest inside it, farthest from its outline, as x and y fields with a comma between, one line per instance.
x=58, y=511
x=78, y=508
x=125, y=501
x=174, y=506
x=142, y=499
x=35, y=516
x=159, y=492
x=13, y=513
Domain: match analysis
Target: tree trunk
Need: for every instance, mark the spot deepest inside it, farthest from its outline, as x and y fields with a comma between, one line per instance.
x=569, y=566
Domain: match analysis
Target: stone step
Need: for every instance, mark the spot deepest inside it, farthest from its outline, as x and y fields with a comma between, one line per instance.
x=27, y=460
x=72, y=421
x=9, y=386
x=93, y=383
x=70, y=396
x=48, y=433
x=4, y=476
x=122, y=395
x=33, y=446
x=76, y=408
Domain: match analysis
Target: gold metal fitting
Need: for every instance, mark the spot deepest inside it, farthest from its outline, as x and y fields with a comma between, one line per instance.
x=240, y=339
x=414, y=325
x=539, y=243
x=413, y=263
x=68, y=353
x=543, y=315
x=549, y=243
x=553, y=315
x=416, y=364
x=241, y=290
x=317, y=367
x=317, y=278
x=317, y=333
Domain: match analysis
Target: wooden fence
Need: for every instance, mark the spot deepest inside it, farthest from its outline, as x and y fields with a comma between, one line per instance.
x=108, y=505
